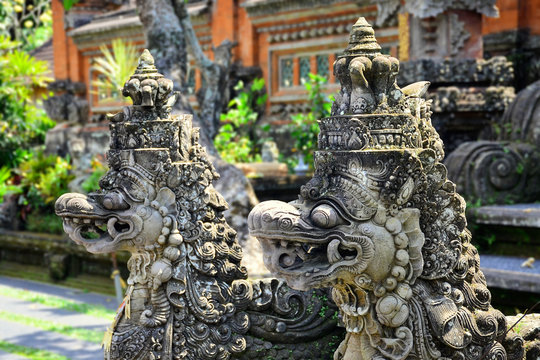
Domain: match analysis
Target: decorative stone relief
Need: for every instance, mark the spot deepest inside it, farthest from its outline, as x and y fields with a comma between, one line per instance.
x=461, y=87
x=505, y=168
x=188, y=296
x=380, y=223
x=458, y=34
x=431, y=8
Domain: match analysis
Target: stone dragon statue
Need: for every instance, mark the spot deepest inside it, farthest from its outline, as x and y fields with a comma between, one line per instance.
x=382, y=225
x=188, y=295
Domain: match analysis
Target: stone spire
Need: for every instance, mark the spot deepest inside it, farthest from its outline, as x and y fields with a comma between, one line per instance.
x=147, y=87
x=146, y=134
x=362, y=39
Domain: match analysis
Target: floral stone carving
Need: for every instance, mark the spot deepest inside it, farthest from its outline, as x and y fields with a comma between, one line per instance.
x=188, y=295
x=381, y=224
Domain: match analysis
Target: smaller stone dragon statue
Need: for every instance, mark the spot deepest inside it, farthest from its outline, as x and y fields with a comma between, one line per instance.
x=188, y=295
x=382, y=225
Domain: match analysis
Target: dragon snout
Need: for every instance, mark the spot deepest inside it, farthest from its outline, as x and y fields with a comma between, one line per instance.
x=72, y=203
x=271, y=216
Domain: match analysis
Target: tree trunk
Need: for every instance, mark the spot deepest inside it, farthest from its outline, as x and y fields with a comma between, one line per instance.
x=169, y=34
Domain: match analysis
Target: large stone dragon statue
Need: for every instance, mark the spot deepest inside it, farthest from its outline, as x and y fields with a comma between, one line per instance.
x=382, y=225
x=188, y=295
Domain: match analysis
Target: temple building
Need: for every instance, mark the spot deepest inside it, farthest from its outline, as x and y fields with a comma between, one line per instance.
x=288, y=39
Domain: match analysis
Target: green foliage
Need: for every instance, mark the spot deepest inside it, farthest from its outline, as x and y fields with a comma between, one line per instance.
x=44, y=223
x=29, y=22
x=38, y=180
x=68, y=4
x=115, y=67
x=304, y=127
x=22, y=123
x=236, y=140
x=43, y=179
x=6, y=187
x=92, y=182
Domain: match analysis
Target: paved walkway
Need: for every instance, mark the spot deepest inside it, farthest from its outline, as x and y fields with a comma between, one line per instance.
x=25, y=334
x=8, y=356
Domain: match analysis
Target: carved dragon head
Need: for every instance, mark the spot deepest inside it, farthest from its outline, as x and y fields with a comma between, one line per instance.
x=382, y=225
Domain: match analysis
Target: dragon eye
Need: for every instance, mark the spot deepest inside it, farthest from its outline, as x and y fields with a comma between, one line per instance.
x=325, y=216
x=114, y=201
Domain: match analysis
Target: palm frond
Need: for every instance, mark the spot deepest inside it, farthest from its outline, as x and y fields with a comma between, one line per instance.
x=116, y=65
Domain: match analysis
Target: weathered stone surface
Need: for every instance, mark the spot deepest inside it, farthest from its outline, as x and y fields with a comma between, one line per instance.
x=431, y=8
x=67, y=104
x=469, y=95
x=506, y=169
x=383, y=226
x=188, y=295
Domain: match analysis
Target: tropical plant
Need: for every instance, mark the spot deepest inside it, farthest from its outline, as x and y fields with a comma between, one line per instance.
x=42, y=179
x=114, y=68
x=6, y=185
x=23, y=123
x=304, y=128
x=27, y=22
x=236, y=140
x=92, y=181
x=38, y=181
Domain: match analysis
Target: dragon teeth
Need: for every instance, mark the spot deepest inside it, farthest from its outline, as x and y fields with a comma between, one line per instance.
x=332, y=252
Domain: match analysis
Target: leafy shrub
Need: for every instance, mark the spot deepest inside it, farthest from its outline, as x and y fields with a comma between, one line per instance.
x=39, y=181
x=236, y=140
x=22, y=123
x=27, y=22
x=42, y=179
x=44, y=223
x=92, y=182
x=6, y=186
x=115, y=67
x=304, y=127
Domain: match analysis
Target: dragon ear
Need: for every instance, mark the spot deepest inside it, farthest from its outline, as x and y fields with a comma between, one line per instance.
x=405, y=192
x=166, y=198
x=410, y=224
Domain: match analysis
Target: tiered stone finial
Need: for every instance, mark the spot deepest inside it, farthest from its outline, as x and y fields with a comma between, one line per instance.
x=147, y=87
x=362, y=39
x=381, y=224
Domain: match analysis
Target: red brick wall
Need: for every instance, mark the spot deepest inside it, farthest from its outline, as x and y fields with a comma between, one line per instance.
x=514, y=14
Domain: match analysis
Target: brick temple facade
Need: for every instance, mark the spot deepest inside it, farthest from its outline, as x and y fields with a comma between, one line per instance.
x=288, y=39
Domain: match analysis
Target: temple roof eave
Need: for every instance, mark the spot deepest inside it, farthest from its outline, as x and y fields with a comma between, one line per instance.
x=125, y=19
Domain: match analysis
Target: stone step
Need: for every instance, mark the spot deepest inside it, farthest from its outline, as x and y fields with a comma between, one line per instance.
x=8, y=356
x=507, y=272
x=516, y=215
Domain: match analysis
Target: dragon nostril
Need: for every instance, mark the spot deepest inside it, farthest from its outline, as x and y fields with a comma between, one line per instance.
x=108, y=203
x=287, y=260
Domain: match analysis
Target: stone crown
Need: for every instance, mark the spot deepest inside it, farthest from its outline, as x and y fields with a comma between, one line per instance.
x=146, y=87
x=371, y=111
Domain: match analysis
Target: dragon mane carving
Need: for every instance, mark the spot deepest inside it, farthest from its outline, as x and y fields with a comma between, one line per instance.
x=382, y=225
x=188, y=295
